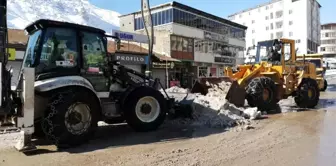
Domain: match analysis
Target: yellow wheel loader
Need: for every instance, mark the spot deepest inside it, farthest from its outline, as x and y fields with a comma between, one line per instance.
x=276, y=76
x=317, y=59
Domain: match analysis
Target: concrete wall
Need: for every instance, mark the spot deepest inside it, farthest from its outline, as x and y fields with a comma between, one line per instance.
x=127, y=23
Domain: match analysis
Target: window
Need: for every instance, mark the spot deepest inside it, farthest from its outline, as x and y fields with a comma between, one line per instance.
x=94, y=50
x=266, y=18
x=253, y=21
x=59, y=50
x=253, y=31
x=271, y=15
x=267, y=28
x=272, y=36
x=32, y=47
x=323, y=49
x=279, y=35
x=266, y=7
x=290, y=11
x=253, y=42
x=190, y=45
x=271, y=26
x=240, y=16
x=287, y=51
x=213, y=72
x=279, y=24
x=290, y=34
x=179, y=43
x=278, y=14
x=173, y=43
x=290, y=22
x=298, y=41
x=220, y=72
x=203, y=72
x=184, y=45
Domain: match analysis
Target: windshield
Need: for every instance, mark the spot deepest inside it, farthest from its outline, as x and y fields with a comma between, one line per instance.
x=32, y=48
x=59, y=50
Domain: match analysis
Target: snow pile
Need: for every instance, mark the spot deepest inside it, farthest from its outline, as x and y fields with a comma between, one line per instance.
x=23, y=12
x=176, y=89
x=213, y=110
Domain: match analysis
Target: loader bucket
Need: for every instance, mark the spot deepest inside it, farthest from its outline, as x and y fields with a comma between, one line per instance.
x=235, y=94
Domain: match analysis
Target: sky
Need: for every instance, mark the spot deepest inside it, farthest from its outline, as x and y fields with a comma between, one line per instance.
x=221, y=8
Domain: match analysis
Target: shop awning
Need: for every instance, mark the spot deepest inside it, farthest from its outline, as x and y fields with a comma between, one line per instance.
x=166, y=58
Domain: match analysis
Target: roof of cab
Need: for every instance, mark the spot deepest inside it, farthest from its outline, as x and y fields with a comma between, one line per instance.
x=52, y=23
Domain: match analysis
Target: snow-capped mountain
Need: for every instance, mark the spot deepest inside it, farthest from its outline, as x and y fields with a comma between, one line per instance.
x=23, y=12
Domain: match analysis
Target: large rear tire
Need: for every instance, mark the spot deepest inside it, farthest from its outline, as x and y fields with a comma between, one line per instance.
x=308, y=94
x=145, y=109
x=71, y=118
x=262, y=93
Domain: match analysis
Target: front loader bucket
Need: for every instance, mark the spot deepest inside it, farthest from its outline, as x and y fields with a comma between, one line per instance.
x=235, y=94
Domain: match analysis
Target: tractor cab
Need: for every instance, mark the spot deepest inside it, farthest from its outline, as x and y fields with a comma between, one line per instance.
x=57, y=49
x=271, y=51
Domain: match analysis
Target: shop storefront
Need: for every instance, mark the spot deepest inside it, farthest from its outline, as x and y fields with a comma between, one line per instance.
x=135, y=61
x=162, y=68
x=210, y=69
x=183, y=72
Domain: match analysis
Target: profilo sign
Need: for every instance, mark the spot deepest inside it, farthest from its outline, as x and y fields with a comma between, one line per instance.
x=130, y=59
x=134, y=37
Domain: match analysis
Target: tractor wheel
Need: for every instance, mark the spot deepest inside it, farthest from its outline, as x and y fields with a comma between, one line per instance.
x=71, y=118
x=262, y=93
x=145, y=109
x=325, y=86
x=308, y=94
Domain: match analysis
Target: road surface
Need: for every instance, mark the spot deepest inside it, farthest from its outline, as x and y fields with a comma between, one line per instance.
x=306, y=138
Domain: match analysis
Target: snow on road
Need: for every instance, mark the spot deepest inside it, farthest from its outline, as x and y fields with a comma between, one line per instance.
x=212, y=110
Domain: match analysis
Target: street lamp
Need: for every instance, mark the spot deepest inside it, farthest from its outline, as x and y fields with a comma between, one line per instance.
x=147, y=20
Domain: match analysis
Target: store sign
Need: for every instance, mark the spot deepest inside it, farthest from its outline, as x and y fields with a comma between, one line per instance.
x=126, y=36
x=215, y=36
x=163, y=65
x=224, y=60
x=130, y=59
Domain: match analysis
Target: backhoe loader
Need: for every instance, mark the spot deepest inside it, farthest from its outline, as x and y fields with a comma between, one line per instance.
x=275, y=76
x=68, y=82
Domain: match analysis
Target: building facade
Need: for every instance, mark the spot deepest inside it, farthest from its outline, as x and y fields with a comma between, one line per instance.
x=293, y=19
x=328, y=44
x=203, y=43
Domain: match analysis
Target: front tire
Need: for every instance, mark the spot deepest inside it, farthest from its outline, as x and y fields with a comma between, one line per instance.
x=308, y=94
x=145, y=109
x=262, y=93
x=71, y=117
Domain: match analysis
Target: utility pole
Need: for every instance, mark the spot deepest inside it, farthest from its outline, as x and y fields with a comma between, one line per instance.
x=148, y=24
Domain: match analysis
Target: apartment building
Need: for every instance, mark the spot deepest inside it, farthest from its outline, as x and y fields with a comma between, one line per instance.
x=294, y=19
x=203, y=43
x=328, y=44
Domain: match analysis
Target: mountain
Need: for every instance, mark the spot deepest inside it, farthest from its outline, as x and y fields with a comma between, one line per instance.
x=23, y=12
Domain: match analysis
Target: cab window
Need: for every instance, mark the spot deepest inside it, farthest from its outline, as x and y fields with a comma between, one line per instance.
x=59, y=50
x=94, y=51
